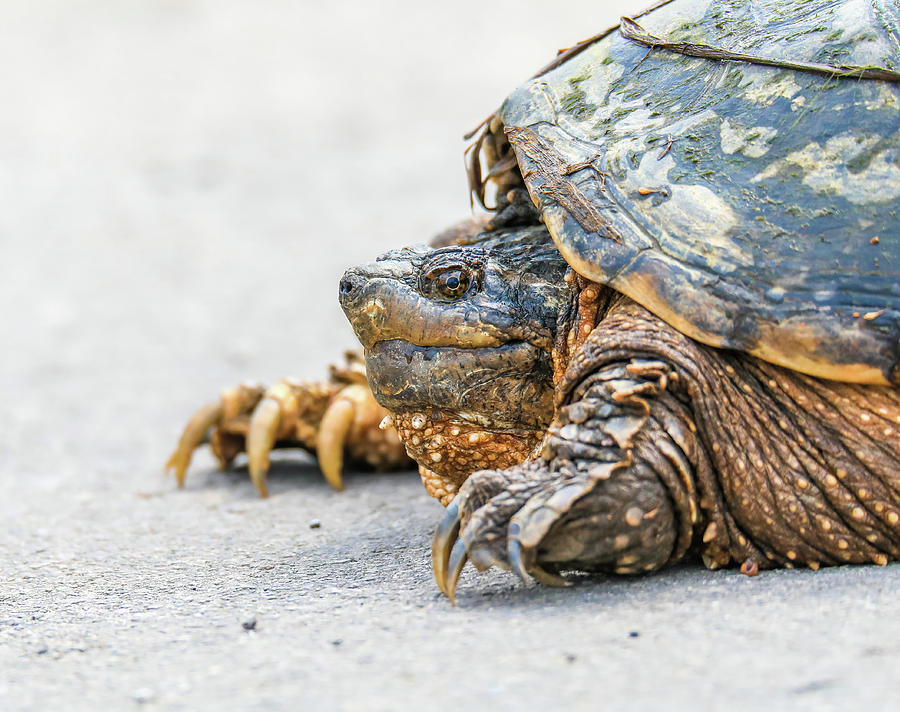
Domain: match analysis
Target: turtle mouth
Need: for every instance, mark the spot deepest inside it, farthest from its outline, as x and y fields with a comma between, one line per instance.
x=506, y=386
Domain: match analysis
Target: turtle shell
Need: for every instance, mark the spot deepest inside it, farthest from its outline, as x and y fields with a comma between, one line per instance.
x=752, y=207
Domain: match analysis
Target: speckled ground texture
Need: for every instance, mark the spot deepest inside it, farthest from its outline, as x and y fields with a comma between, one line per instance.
x=182, y=184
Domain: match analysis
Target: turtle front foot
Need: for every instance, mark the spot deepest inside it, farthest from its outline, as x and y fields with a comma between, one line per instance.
x=334, y=419
x=529, y=519
x=538, y=522
x=497, y=520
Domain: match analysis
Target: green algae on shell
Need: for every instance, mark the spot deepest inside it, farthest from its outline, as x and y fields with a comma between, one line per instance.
x=752, y=207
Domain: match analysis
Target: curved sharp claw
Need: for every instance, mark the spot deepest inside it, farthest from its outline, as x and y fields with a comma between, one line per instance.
x=444, y=537
x=548, y=579
x=330, y=440
x=192, y=435
x=514, y=554
x=458, y=558
x=260, y=440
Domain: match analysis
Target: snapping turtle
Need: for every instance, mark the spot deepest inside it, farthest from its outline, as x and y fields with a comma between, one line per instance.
x=705, y=357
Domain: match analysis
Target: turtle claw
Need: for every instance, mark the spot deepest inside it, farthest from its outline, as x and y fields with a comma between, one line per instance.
x=458, y=558
x=547, y=578
x=191, y=437
x=514, y=554
x=449, y=556
x=517, y=554
x=261, y=436
x=336, y=419
x=502, y=518
x=330, y=441
x=445, y=537
x=448, y=552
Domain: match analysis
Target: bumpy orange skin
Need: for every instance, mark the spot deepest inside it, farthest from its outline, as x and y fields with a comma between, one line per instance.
x=449, y=451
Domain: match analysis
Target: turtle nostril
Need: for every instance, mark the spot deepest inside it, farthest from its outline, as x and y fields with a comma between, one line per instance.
x=348, y=286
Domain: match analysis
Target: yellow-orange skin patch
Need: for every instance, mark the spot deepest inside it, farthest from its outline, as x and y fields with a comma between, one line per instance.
x=448, y=451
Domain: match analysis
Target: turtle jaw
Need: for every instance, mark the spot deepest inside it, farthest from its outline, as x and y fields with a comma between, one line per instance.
x=460, y=410
x=504, y=387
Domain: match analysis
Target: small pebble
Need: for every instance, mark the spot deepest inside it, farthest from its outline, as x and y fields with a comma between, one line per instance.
x=142, y=695
x=315, y=524
x=633, y=634
x=249, y=624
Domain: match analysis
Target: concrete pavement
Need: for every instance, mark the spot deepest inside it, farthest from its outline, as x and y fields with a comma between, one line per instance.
x=182, y=184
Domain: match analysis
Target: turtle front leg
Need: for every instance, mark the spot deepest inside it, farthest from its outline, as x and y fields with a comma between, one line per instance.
x=335, y=419
x=613, y=490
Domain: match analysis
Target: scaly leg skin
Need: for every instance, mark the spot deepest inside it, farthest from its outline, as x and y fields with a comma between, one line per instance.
x=661, y=445
x=336, y=419
x=597, y=500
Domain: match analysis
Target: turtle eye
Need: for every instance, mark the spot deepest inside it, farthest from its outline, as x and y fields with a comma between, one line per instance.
x=446, y=283
x=452, y=284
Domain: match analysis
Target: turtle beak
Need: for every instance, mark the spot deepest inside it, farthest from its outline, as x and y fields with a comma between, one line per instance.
x=358, y=294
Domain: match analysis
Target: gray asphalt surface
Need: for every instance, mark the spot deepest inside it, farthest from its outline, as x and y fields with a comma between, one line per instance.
x=182, y=184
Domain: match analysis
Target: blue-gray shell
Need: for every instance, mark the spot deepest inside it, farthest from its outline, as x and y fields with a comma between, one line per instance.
x=752, y=207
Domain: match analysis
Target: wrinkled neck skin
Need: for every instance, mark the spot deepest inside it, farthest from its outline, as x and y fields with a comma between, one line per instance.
x=458, y=343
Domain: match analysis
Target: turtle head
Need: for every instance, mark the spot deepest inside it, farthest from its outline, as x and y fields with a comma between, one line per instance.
x=458, y=345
